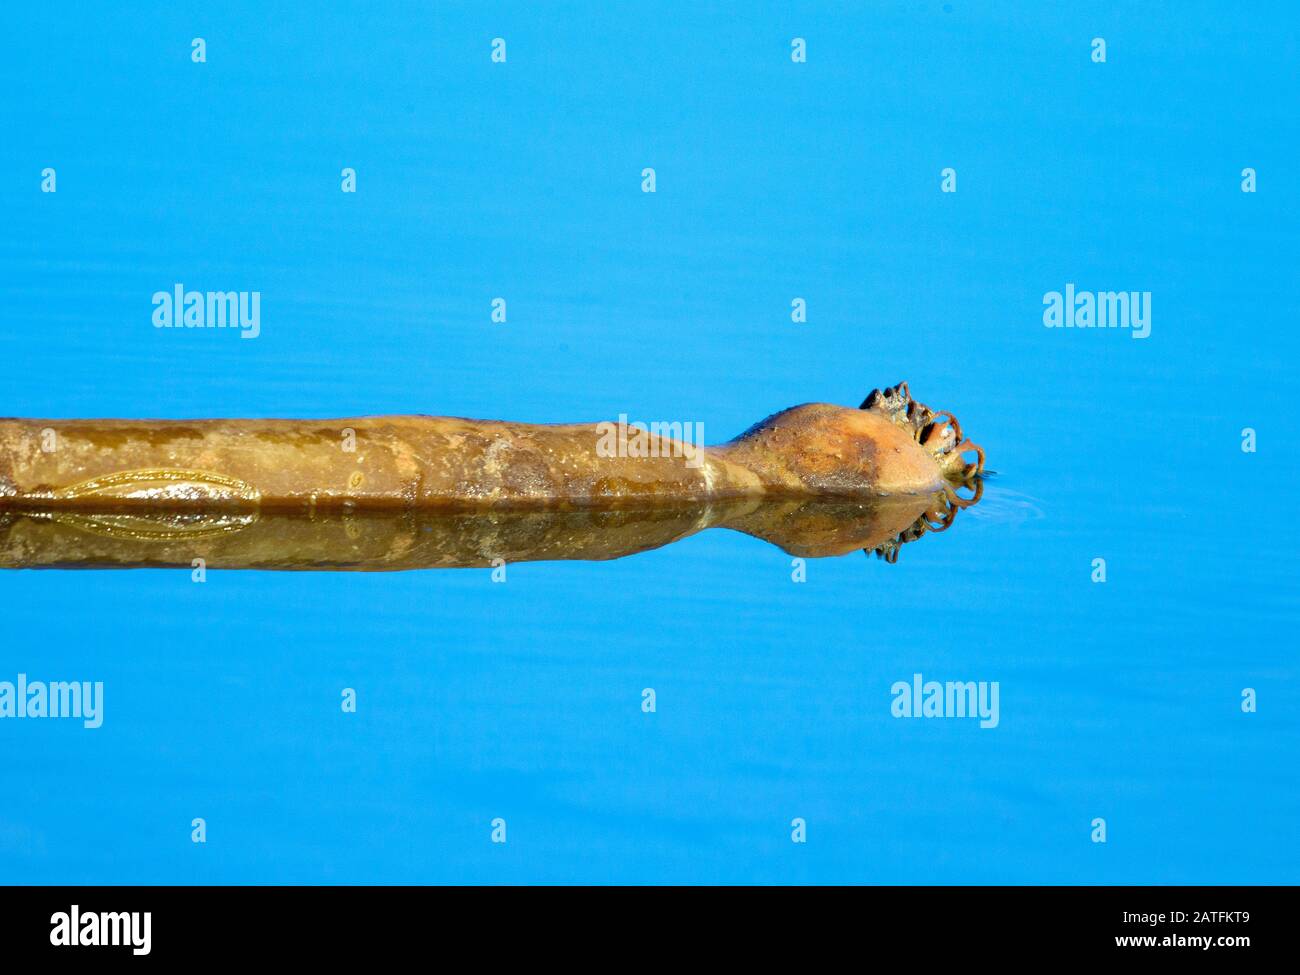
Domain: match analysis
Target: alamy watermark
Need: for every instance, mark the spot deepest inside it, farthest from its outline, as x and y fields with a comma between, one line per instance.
x=53, y=699
x=950, y=699
x=179, y=308
x=1099, y=309
x=637, y=439
x=76, y=928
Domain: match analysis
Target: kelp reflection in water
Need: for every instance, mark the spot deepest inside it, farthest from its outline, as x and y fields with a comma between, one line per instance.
x=368, y=540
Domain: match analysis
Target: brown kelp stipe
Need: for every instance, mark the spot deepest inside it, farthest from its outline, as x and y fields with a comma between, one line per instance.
x=176, y=482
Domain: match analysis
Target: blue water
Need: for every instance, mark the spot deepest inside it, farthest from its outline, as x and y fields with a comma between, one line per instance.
x=522, y=701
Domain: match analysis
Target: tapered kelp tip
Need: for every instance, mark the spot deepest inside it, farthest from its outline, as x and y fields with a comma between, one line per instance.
x=938, y=432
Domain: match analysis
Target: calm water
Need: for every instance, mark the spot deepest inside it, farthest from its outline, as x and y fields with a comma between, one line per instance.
x=477, y=700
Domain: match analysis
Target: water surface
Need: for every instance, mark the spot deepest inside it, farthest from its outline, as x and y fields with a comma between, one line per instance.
x=522, y=700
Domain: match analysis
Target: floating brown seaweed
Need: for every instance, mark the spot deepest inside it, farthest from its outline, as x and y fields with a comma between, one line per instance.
x=416, y=492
